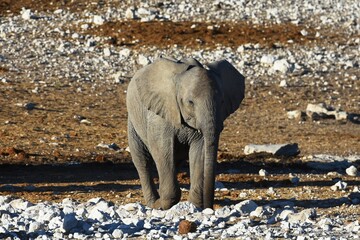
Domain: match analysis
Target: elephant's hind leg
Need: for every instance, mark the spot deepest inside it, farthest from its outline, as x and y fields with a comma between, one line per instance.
x=142, y=161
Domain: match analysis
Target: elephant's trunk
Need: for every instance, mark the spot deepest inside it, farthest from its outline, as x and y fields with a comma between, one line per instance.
x=211, y=141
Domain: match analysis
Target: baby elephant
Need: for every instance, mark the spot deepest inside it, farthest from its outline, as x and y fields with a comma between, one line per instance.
x=176, y=111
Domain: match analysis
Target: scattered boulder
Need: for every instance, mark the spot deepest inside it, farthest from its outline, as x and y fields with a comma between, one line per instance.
x=304, y=216
x=340, y=185
x=143, y=60
x=98, y=20
x=321, y=111
x=246, y=207
x=263, y=173
x=282, y=66
x=275, y=149
x=296, y=114
x=352, y=171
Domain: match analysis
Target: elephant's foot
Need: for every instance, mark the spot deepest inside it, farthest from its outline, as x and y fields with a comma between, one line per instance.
x=157, y=204
x=196, y=201
x=164, y=204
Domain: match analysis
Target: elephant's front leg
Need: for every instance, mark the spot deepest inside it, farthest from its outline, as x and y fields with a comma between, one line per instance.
x=141, y=159
x=196, y=164
x=162, y=150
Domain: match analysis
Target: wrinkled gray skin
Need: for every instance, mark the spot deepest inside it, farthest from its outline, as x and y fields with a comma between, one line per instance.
x=176, y=111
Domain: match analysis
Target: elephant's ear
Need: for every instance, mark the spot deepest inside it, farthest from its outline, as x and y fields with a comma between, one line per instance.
x=232, y=83
x=157, y=88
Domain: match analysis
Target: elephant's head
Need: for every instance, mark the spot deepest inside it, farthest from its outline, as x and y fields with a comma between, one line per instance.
x=187, y=94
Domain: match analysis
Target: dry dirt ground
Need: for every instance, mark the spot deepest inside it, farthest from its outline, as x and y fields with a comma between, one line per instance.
x=37, y=171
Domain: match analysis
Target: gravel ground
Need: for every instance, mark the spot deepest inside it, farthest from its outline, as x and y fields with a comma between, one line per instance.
x=67, y=60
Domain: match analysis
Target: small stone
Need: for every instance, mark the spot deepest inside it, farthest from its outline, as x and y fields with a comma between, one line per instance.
x=34, y=227
x=270, y=191
x=341, y=116
x=130, y=13
x=98, y=20
x=142, y=60
x=85, y=26
x=302, y=217
x=85, y=121
x=263, y=173
x=246, y=207
x=208, y=211
x=296, y=114
x=125, y=52
x=20, y=204
x=267, y=60
x=186, y=227
x=352, y=171
x=107, y=52
x=283, y=83
x=304, y=32
x=276, y=149
x=26, y=14
x=340, y=185
x=282, y=66
x=117, y=234
x=30, y=106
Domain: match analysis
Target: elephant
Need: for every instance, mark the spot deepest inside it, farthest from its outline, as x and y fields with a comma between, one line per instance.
x=176, y=110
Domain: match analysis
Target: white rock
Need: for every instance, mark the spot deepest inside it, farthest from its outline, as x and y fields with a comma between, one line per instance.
x=352, y=171
x=263, y=173
x=20, y=204
x=282, y=66
x=130, y=13
x=107, y=52
x=302, y=217
x=223, y=212
x=283, y=83
x=296, y=114
x=125, y=52
x=304, y=32
x=34, y=227
x=181, y=209
x=276, y=149
x=26, y=14
x=85, y=26
x=267, y=60
x=117, y=234
x=270, y=191
x=142, y=60
x=98, y=20
x=285, y=213
x=3, y=230
x=341, y=115
x=208, y=211
x=318, y=111
x=246, y=207
x=97, y=215
x=340, y=185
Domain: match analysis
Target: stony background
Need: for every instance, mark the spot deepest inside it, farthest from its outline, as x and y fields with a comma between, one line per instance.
x=64, y=69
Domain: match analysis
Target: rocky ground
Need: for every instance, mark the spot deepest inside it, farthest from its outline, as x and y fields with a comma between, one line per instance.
x=64, y=70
